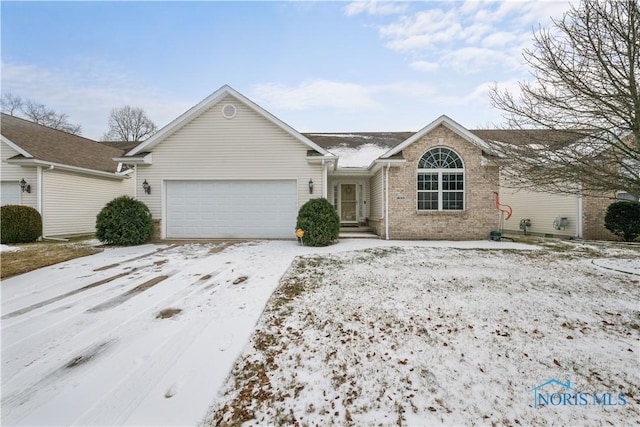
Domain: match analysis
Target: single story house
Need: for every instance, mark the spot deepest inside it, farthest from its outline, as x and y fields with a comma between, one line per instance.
x=66, y=177
x=227, y=168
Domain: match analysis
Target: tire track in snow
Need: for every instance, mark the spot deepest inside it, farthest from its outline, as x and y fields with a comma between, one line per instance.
x=108, y=328
x=53, y=284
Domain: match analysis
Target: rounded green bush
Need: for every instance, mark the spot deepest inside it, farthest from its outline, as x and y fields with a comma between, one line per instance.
x=124, y=221
x=623, y=219
x=319, y=221
x=19, y=224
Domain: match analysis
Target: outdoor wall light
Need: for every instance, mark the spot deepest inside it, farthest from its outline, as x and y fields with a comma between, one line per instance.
x=146, y=187
x=310, y=186
x=26, y=188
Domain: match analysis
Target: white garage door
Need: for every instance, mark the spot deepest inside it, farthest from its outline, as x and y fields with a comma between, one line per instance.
x=10, y=193
x=231, y=209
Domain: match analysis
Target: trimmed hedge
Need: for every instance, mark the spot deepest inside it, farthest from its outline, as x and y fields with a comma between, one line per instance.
x=19, y=224
x=124, y=221
x=319, y=221
x=623, y=220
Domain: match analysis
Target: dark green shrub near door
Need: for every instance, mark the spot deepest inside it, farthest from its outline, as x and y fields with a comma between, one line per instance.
x=124, y=221
x=319, y=221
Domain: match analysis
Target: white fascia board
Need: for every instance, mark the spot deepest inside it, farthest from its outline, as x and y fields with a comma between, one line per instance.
x=380, y=163
x=52, y=165
x=207, y=103
x=442, y=120
x=16, y=147
x=147, y=159
x=366, y=172
x=320, y=159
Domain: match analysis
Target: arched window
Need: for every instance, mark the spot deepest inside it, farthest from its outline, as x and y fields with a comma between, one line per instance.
x=440, y=181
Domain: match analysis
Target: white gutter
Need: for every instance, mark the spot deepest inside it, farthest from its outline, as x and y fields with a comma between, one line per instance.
x=386, y=207
x=60, y=166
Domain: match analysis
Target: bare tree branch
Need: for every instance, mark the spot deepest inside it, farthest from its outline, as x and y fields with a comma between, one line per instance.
x=38, y=113
x=129, y=124
x=585, y=89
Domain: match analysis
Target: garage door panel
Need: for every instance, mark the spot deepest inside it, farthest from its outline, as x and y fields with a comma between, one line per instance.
x=231, y=209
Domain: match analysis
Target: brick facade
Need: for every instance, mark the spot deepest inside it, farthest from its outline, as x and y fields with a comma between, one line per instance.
x=594, y=210
x=479, y=217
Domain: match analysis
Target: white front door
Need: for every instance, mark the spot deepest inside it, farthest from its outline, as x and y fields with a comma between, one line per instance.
x=348, y=203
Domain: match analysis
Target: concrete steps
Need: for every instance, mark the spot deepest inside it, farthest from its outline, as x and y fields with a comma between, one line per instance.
x=357, y=232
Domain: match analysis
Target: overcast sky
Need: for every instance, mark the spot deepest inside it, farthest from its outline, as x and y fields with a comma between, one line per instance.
x=318, y=66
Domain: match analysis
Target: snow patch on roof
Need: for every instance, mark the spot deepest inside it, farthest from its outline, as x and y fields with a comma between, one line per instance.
x=342, y=135
x=357, y=157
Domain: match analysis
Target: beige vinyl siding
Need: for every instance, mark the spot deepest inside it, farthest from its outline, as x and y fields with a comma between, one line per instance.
x=72, y=201
x=247, y=147
x=376, y=201
x=15, y=173
x=542, y=209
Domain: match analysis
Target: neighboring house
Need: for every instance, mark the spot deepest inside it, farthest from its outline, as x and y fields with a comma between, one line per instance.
x=67, y=178
x=568, y=215
x=227, y=168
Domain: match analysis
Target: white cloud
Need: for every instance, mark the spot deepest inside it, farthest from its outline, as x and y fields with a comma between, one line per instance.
x=472, y=36
x=316, y=94
x=374, y=8
x=424, y=66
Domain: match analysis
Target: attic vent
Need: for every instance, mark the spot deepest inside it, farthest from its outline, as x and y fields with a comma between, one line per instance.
x=229, y=111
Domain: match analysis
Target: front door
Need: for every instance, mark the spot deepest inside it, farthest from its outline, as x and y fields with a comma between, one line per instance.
x=348, y=203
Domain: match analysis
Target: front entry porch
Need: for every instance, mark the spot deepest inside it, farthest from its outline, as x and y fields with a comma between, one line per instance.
x=350, y=197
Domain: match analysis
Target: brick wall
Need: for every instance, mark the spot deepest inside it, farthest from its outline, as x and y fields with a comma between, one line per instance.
x=478, y=219
x=594, y=210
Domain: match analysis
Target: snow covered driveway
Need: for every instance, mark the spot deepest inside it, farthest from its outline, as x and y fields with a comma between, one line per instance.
x=143, y=335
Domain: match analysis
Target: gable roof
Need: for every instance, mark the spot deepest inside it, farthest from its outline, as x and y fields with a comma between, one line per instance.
x=40, y=144
x=445, y=121
x=209, y=102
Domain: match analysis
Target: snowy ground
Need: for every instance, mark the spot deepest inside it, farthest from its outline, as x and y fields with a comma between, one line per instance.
x=432, y=336
x=148, y=335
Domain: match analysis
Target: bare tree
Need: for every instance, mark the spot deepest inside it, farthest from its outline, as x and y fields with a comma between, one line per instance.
x=38, y=113
x=129, y=124
x=11, y=104
x=585, y=93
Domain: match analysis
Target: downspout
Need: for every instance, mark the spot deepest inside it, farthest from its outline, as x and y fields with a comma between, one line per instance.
x=386, y=207
x=579, y=219
x=324, y=179
x=135, y=182
x=39, y=193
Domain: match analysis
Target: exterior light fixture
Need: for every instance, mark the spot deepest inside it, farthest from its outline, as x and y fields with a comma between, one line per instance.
x=146, y=187
x=26, y=188
x=310, y=186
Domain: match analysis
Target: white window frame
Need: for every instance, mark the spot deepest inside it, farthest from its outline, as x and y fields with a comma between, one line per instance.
x=440, y=172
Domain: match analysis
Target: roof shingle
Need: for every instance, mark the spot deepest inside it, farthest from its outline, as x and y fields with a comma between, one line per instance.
x=52, y=145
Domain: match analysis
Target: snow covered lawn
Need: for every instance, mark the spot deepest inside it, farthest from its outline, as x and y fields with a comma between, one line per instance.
x=445, y=336
x=148, y=335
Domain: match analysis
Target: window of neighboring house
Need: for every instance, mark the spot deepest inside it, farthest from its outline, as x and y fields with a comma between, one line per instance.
x=440, y=181
x=623, y=195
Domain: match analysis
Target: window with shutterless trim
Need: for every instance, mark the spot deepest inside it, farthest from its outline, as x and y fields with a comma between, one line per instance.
x=441, y=181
